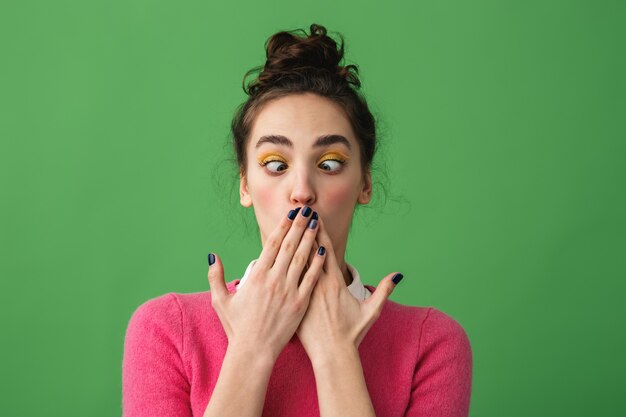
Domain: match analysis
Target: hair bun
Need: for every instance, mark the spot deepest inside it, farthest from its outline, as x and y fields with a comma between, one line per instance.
x=289, y=55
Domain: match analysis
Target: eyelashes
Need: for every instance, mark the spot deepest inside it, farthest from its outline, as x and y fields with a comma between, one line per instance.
x=273, y=163
x=274, y=166
x=331, y=162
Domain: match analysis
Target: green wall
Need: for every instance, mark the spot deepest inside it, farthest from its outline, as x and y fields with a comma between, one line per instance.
x=503, y=135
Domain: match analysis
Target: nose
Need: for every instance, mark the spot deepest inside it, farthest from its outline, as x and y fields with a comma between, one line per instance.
x=302, y=190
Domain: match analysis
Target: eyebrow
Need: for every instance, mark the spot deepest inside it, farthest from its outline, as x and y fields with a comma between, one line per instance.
x=321, y=141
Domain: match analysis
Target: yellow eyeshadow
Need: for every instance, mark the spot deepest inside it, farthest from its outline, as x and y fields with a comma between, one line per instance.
x=334, y=155
x=268, y=157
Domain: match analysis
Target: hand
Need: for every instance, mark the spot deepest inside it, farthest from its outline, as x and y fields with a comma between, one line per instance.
x=266, y=311
x=335, y=319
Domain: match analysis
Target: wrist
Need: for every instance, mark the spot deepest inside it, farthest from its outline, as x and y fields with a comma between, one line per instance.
x=259, y=359
x=334, y=357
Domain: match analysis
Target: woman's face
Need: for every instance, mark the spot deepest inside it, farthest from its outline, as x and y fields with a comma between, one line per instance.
x=302, y=151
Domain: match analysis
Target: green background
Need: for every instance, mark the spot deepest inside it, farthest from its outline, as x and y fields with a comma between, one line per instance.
x=503, y=135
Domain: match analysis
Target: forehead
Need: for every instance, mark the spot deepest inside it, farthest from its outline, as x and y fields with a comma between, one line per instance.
x=302, y=118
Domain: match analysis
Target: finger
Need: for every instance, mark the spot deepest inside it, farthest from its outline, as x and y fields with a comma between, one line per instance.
x=292, y=240
x=313, y=273
x=384, y=289
x=312, y=253
x=273, y=242
x=301, y=256
x=216, y=278
x=331, y=263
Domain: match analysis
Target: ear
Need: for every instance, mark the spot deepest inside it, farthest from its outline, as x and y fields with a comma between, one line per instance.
x=244, y=194
x=366, y=192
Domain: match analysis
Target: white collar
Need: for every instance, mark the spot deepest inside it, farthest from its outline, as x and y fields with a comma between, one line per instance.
x=356, y=287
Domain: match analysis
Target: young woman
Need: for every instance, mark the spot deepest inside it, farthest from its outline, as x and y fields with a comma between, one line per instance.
x=299, y=334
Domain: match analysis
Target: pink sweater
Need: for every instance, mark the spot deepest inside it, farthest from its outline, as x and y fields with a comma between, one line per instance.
x=417, y=361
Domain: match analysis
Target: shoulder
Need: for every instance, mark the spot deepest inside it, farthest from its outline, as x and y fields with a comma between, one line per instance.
x=426, y=323
x=440, y=346
x=426, y=334
x=171, y=312
x=164, y=307
x=431, y=326
x=442, y=334
x=434, y=353
x=157, y=317
x=439, y=343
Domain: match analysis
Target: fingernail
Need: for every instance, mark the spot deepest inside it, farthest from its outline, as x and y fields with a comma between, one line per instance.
x=321, y=250
x=312, y=223
x=296, y=211
x=397, y=278
x=292, y=214
x=314, y=216
x=306, y=211
x=211, y=259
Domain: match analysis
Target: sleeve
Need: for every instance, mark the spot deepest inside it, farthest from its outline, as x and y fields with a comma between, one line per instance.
x=442, y=380
x=153, y=379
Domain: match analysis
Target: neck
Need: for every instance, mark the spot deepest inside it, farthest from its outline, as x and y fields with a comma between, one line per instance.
x=340, y=251
x=347, y=276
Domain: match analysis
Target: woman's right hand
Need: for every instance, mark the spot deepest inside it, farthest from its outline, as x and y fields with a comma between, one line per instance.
x=265, y=313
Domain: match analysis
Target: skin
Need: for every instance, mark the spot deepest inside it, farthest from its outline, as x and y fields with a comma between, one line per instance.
x=332, y=193
x=292, y=286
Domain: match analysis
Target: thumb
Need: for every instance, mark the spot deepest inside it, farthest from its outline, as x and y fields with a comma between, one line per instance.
x=216, y=277
x=383, y=291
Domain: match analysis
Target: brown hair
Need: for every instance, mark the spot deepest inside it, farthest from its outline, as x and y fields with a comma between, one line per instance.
x=299, y=64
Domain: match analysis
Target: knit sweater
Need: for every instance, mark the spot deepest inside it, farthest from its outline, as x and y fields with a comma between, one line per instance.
x=417, y=361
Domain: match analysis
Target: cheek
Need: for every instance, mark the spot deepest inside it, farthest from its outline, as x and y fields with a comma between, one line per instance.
x=339, y=203
x=341, y=197
x=264, y=199
x=261, y=190
x=265, y=202
x=262, y=194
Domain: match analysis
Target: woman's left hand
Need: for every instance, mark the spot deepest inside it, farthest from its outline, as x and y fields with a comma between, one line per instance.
x=335, y=320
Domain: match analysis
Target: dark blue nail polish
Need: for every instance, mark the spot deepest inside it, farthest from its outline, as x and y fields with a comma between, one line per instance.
x=321, y=250
x=292, y=214
x=211, y=259
x=397, y=278
x=296, y=211
x=314, y=216
x=306, y=211
x=312, y=223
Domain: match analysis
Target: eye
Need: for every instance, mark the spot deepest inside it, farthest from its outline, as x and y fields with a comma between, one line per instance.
x=332, y=165
x=275, y=166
